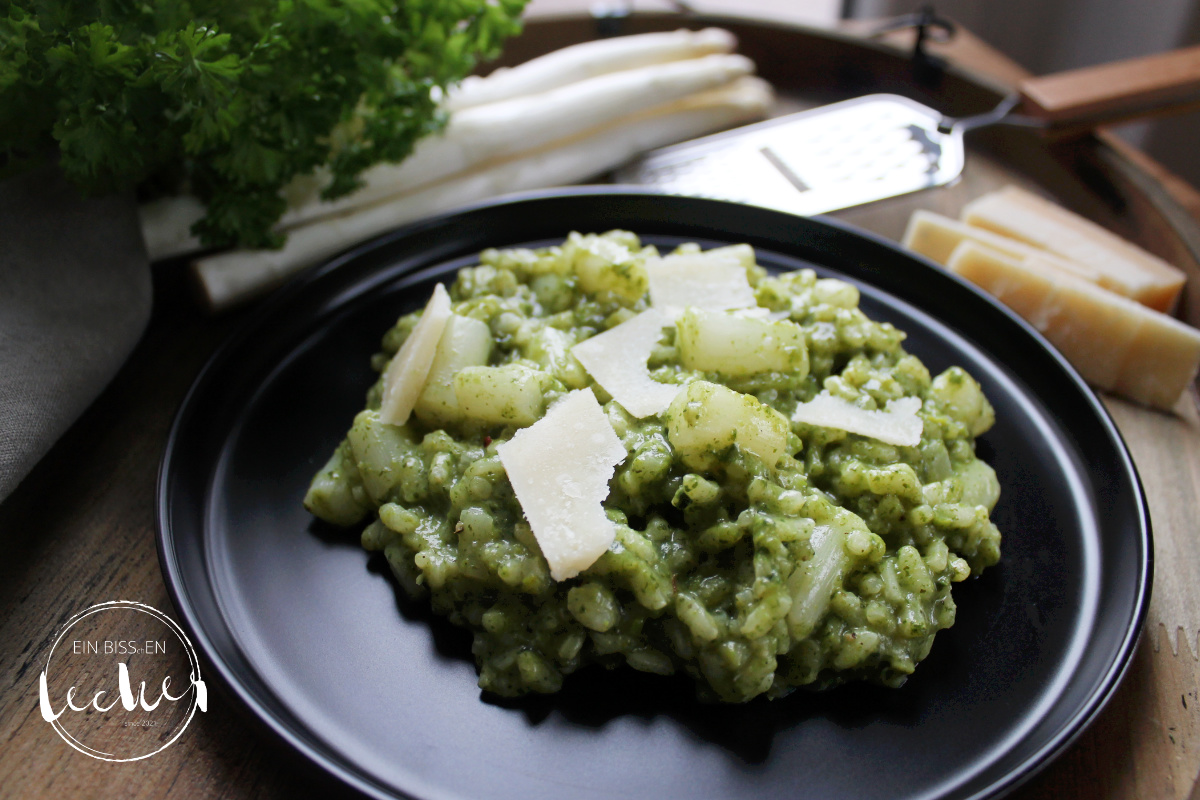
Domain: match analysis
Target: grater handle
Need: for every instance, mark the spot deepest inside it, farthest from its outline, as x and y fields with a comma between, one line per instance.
x=1080, y=99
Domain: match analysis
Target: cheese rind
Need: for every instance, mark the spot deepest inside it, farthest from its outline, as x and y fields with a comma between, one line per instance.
x=406, y=373
x=1024, y=216
x=715, y=279
x=617, y=358
x=897, y=424
x=1115, y=343
x=559, y=469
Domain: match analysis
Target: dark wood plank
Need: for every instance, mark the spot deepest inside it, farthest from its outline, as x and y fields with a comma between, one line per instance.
x=80, y=530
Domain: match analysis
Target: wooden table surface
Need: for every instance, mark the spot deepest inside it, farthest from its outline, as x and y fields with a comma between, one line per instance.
x=80, y=530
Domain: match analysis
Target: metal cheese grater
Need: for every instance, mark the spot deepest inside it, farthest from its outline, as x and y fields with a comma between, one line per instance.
x=844, y=154
x=882, y=145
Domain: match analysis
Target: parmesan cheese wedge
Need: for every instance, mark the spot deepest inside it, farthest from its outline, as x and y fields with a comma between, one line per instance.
x=405, y=375
x=559, y=468
x=1022, y=215
x=897, y=424
x=1115, y=343
x=714, y=279
x=617, y=360
x=935, y=237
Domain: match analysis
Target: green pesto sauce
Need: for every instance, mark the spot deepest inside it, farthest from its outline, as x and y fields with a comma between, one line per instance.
x=834, y=564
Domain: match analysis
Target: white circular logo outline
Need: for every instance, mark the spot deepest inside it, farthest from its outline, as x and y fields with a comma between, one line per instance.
x=193, y=661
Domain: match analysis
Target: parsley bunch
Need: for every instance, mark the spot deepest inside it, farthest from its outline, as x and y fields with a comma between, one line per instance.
x=232, y=98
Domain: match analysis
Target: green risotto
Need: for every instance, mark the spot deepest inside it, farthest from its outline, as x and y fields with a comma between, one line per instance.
x=754, y=570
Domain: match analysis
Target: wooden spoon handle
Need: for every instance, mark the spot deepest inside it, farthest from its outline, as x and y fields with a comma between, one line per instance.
x=1138, y=87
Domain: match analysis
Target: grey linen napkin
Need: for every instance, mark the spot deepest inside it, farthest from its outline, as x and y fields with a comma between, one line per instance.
x=74, y=299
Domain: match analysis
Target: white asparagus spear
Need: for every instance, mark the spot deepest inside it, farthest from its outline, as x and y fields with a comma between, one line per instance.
x=228, y=278
x=587, y=60
x=475, y=136
x=483, y=133
x=167, y=223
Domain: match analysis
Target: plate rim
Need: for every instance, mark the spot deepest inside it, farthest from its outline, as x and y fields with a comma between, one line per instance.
x=328, y=760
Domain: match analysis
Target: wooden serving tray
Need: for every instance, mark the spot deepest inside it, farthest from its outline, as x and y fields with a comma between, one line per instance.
x=1146, y=743
x=80, y=529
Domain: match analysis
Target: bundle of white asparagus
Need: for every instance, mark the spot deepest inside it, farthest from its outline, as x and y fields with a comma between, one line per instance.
x=559, y=119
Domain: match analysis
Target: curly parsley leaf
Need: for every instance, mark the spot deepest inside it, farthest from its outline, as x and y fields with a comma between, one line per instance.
x=234, y=97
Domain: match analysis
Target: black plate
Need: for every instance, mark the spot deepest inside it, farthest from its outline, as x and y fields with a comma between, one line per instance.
x=309, y=633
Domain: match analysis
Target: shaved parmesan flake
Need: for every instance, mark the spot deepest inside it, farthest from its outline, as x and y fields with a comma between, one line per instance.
x=898, y=424
x=715, y=280
x=617, y=360
x=559, y=468
x=407, y=371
